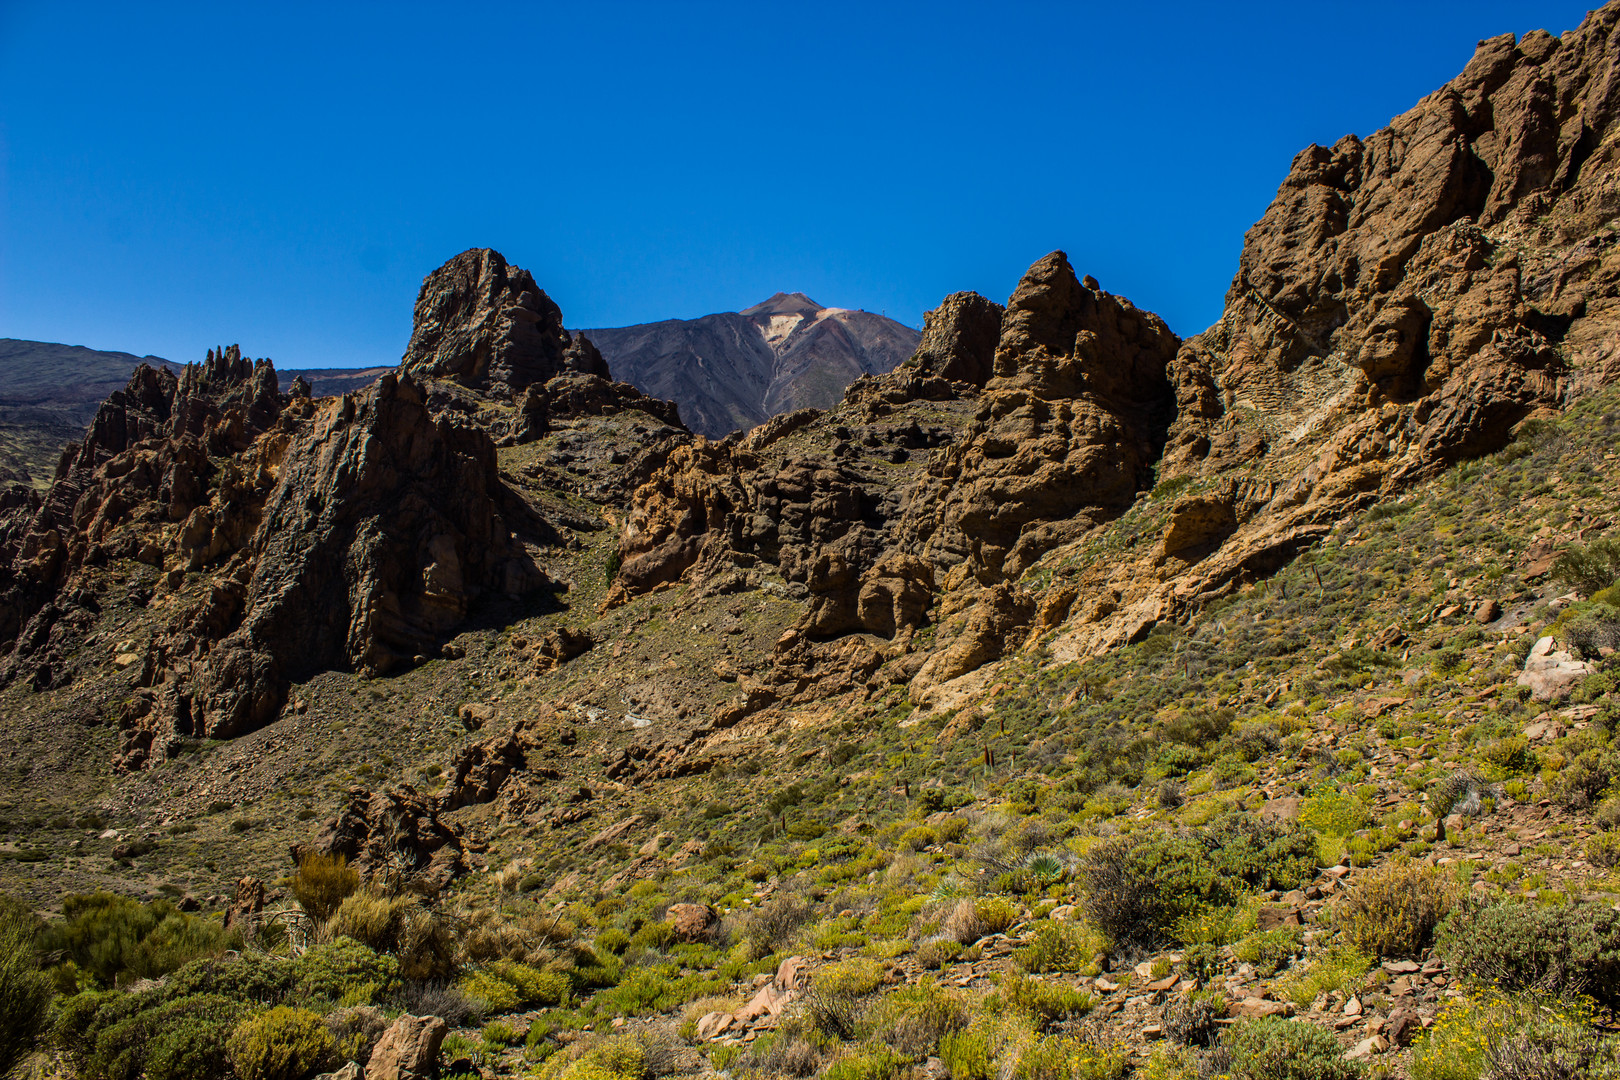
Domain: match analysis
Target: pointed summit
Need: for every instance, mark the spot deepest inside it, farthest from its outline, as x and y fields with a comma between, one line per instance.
x=794, y=303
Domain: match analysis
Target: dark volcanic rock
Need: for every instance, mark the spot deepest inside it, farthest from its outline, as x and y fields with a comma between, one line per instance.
x=148, y=460
x=487, y=325
x=384, y=526
x=1066, y=431
x=959, y=338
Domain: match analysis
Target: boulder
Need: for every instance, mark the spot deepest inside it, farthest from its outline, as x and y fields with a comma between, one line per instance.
x=692, y=922
x=409, y=1050
x=1550, y=673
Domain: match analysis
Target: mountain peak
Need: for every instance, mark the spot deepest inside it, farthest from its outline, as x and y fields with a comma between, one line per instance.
x=794, y=303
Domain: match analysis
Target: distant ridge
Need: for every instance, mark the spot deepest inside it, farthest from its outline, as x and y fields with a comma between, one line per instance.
x=49, y=393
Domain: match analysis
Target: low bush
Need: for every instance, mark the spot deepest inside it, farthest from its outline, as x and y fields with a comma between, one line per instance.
x=1190, y=1020
x=399, y=925
x=1515, y=1038
x=834, y=1001
x=355, y=1031
x=282, y=1043
x=1457, y=793
x=188, y=1039
x=963, y=925
x=25, y=993
x=865, y=1063
x=1064, y=1057
x=322, y=882
x=1046, y=1002
x=1059, y=947
x=252, y=978
x=345, y=972
x=1275, y=1049
x=913, y=1020
x=506, y=986
x=1269, y=950
x=773, y=925
x=1394, y=912
x=438, y=999
x=113, y=937
x=1589, y=569
x=936, y=953
x=1583, y=780
x=1518, y=947
x=1137, y=890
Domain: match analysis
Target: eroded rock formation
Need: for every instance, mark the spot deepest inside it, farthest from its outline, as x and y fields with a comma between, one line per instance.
x=384, y=525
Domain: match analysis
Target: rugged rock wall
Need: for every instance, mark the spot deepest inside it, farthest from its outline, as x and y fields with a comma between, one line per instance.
x=384, y=525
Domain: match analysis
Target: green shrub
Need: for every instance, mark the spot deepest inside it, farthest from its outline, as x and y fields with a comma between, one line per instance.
x=1059, y=947
x=868, y=1063
x=1589, y=569
x=113, y=1035
x=1583, y=780
x=1521, y=947
x=1269, y=950
x=1136, y=890
x=1604, y=850
x=508, y=986
x=283, y=1043
x=345, y=971
x=1275, y=1049
x=355, y=1030
x=1063, y=1057
x=322, y=882
x=913, y=1019
x=25, y=993
x=250, y=977
x=1333, y=811
x=995, y=913
x=113, y=936
x=1394, y=912
x=935, y=954
x=189, y=1038
x=399, y=925
x=967, y=1053
x=1046, y=1002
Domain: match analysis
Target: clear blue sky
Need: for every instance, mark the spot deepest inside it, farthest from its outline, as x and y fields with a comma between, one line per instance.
x=177, y=176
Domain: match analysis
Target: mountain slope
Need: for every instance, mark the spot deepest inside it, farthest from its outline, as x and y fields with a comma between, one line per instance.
x=735, y=370
x=48, y=395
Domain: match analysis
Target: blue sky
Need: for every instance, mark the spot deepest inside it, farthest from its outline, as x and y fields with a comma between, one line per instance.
x=174, y=177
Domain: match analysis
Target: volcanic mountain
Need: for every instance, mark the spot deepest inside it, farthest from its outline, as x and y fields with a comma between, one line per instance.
x=736, y=369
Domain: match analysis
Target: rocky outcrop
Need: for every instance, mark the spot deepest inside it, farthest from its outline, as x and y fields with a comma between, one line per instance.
x=395, y=835
x=1437, y=264
x=156, y=452
x=383, y=526
x=408, y=1050
x=959, y=338
x=1058, y=427
x=487, y=325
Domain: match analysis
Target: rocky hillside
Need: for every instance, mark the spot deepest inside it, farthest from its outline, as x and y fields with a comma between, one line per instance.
x=1070, y=700
x=734, y=371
